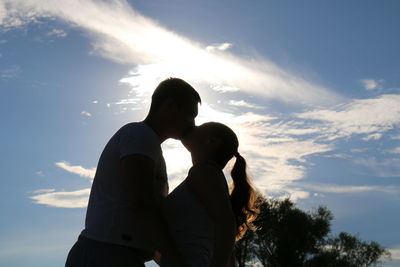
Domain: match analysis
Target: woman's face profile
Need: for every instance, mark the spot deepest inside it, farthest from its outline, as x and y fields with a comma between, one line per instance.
x=196, y=139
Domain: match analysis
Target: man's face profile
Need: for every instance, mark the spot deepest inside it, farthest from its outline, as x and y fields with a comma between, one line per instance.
x=185, y=120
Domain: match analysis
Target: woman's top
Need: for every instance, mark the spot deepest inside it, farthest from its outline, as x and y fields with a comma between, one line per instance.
x=190, y=226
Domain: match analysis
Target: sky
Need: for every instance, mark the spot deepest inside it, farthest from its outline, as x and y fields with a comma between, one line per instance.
x=312, y=89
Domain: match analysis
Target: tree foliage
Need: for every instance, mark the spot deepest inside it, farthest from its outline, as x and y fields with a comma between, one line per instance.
x=290, y=237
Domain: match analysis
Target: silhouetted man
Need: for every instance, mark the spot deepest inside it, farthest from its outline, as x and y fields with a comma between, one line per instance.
x=124, y=223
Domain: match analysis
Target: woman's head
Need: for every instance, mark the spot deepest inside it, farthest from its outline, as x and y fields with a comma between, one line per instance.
x=216, y=142
x=212, y=141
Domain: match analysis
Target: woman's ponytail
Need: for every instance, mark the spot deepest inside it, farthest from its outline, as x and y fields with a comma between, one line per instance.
x=243, y=197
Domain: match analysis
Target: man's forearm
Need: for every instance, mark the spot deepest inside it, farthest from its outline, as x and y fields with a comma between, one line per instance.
x=156, y=227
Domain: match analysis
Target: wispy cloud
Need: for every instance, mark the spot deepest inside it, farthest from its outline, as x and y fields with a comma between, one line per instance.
x=57, y=33
x=387, y=167
x=41, y=191
x=395, y=137
x=62, y=199
x=79, y=170
x=123, y=35
x=279, y=149
x=346, y=189
x=10, y=16
x=395, y=150
x=374, y=136
x=274, y=164
x=85, y=113
x=242, y=103
x=395, y=253
x=74, y=199
x=220, y=47
x=39, y=173
x=10, y=72
x=371, y=116
x=372, y=84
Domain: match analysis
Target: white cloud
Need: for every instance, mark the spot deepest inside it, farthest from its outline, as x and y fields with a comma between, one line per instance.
x=358, y=150
x=74, y=199
x=11, y=16
x=395, y=253
x=81, y=171
x=39, y=173
x=225, y=88
x=276, y=158
x=123, y=35
x=62, y=199
x=374, y=136
x=220, y=47
x=41, y=191
x=128, y=101
x=275, y=163
x=345, y=189
x=395, y=150
x=10, y=72
x=360, y=116
x=371, y=84
x=85, y=113
x=337, y=156
x=295, y=194
x=278, y=153
x=388, y=167
x=242, y=103
x=58, y=33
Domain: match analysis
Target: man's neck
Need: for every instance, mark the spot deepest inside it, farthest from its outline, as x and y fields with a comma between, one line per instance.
x=157, y=128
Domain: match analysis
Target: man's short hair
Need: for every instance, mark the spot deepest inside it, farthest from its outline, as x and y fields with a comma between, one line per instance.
x=174, y=88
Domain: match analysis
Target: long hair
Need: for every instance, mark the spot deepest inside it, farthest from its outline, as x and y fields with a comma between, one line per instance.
x=243, y=196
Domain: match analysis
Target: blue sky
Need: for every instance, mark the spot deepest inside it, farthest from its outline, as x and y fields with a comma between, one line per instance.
x=312, y=89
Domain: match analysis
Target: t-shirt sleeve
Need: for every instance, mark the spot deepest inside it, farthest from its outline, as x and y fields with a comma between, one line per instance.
x=137, y=141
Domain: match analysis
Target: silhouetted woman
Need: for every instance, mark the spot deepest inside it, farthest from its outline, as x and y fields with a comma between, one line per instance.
x=205, y=218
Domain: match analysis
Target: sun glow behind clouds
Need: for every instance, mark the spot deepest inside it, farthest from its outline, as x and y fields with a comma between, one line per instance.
x=123, y=35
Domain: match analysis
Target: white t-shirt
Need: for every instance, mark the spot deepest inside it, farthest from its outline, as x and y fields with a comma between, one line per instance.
x=109, y=216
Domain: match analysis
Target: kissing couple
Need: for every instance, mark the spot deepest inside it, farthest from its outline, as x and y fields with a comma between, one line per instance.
x=131, y=218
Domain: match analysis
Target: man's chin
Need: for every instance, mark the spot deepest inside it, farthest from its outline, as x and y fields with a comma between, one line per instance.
x=186, y=133
x=185, y=144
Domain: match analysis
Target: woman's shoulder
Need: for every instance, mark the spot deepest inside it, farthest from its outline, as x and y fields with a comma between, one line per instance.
x=206, y=173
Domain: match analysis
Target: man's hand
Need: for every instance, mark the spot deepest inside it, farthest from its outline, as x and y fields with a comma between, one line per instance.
x=157, y=257
x=139, y=175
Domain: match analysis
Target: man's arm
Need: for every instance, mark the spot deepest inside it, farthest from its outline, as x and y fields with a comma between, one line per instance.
x=139, y=173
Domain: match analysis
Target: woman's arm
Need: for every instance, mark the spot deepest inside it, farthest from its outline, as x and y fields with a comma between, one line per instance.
x=208, y=184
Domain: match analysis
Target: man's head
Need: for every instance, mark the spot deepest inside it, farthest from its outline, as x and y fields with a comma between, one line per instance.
x=175, y=102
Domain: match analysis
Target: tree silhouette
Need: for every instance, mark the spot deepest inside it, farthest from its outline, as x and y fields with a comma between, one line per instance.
x=290, y=237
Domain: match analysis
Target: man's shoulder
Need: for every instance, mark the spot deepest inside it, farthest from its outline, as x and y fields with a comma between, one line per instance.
x=133, y=129
x=138, y=138
x=131, y=125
